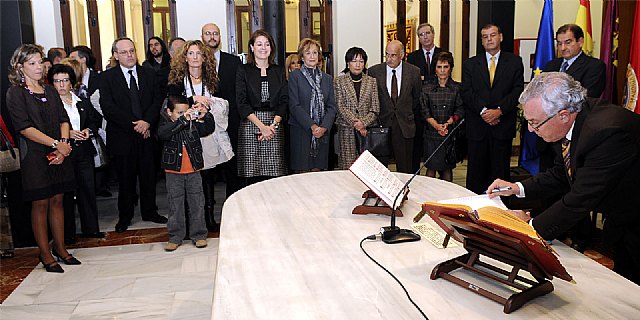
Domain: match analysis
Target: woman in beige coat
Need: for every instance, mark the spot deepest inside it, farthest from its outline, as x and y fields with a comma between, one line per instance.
x=358, y=107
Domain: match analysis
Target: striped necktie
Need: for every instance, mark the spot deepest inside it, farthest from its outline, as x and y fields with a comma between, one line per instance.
x=564, y=66
x=566, y=155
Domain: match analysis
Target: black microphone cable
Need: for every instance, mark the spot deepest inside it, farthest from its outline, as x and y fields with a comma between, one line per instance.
x=378, y=236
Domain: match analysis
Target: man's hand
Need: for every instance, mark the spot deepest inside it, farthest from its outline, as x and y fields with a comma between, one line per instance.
x=141, y=126
x=492, y=116
x=500, y=187
x=521, y=214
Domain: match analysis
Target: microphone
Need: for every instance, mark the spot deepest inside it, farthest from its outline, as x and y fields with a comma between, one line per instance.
x=393, y=234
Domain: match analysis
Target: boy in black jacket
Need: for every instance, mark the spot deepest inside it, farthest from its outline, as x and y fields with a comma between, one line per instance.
x=180, y=129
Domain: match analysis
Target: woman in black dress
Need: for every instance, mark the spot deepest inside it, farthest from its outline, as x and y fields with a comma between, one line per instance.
x=42, y=127
x=442, y=106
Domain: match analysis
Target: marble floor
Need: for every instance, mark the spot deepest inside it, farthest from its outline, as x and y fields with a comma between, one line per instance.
x=127, y=275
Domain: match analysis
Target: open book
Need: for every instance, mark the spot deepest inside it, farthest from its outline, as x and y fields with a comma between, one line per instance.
x=500, y=221
x=378, y=178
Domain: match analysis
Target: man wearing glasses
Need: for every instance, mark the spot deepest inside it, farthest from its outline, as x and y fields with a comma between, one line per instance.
x=130, y=99
x=423, y=57
x=590, y=72
x=597, y=167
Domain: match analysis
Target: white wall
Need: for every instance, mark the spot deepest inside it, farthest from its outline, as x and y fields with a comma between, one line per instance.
x=192, y=15
x=47, y=23
x=359, y=30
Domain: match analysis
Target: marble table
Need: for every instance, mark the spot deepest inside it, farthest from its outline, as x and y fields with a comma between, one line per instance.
x=289, y=250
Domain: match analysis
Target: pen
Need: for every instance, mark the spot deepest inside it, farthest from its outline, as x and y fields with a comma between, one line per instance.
x=501, y=189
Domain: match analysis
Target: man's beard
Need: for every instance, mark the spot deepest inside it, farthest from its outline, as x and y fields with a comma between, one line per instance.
x=157, y=55
x=215, y=46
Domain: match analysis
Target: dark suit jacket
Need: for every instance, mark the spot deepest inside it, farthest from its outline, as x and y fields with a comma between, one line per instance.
x=408, y=104
x=228, y=67
x=89, y=118
x=94, y=82
x=589, y=71
x=249, y=90
x=605, y=162
x=478, y=93
x=417, y=59
x=116, y=106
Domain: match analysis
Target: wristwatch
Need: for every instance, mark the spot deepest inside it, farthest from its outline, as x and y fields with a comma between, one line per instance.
x=55, y=144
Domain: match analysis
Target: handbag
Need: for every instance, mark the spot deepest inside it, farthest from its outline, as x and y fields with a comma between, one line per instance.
x=100, y=159
x=377, y=141
x=9, y=157
x=456, y=149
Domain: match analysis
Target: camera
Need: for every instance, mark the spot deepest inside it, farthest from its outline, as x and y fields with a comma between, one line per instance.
x=195, y=114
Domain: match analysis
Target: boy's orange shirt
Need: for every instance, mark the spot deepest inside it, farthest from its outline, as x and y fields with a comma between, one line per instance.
x=186, y=166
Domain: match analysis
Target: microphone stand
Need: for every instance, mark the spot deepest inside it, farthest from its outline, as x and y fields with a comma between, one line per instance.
x=393, y=234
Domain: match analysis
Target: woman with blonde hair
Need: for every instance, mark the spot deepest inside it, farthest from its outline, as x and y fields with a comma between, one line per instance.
x=42, y=127
x=292, y=63
x=358, y=106
x=312, y=110
x=193, y=75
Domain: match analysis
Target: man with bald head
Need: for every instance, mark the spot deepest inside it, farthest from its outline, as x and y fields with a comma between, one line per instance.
x=399, y=87
x=226, y=66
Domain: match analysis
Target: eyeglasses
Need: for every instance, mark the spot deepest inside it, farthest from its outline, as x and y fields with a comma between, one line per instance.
x=537, y=126
x=424, y=34
x=127, y=52
x=209, y=33
x=65, y=81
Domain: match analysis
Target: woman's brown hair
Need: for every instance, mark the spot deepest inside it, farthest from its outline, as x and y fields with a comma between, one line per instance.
x=19, y=57
x=180, y=67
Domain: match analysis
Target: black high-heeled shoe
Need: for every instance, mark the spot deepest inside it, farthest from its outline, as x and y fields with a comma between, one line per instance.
x=69, y=260
x=51, y=267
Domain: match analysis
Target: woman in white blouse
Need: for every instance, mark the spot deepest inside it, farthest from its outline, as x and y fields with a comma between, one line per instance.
x=85, y=121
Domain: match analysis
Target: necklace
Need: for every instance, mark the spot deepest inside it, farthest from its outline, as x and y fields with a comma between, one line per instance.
x=33, y=94
x=352, y=80
x=196, y=78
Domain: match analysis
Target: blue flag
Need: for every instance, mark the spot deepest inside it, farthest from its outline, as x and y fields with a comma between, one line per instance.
x=545, y=52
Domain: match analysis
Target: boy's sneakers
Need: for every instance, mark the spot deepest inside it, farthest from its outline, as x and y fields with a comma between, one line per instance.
x=201, y=243
x=170, y=246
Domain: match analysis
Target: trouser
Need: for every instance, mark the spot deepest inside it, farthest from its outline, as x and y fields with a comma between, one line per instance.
x=402, y=148
x=85, y=195
x=180, y=186
x=208, y=185
x=488, y=160
x=137, y=164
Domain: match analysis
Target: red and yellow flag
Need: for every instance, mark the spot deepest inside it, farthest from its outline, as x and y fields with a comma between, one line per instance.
x=583, y=19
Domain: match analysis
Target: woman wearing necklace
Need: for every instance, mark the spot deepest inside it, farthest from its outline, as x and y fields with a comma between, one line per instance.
x=193, y=75
x=358, y=107
x=85, y=121
x=261, y=91
x=312, y=110
x=442, y=106
x=42, y=128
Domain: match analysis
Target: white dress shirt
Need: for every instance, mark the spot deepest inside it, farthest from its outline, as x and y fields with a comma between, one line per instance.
x=398, y=75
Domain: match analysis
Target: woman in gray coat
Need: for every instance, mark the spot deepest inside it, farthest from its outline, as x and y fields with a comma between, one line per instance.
x=312, y=110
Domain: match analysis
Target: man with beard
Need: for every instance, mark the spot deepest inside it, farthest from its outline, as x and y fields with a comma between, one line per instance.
x=226, y=67
x=158, y=60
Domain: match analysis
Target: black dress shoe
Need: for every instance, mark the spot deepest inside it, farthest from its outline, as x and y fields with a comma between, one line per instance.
x=51, y=267
x=156, y=218
x=70, y=260
x=93, y=235
x=122, y=226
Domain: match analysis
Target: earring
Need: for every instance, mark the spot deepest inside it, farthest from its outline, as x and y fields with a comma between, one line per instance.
x=21, y=77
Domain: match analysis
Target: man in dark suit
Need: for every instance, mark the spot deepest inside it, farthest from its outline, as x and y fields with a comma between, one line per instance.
x=227, y=67
x=590, y=72
x=423, y=58
x=491, y=84
x=426, y=51
x=597, y=167
x=90, y=77
x=399, y=88
x=130, y=100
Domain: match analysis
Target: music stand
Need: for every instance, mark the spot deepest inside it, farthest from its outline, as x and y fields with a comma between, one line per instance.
x=372, y=204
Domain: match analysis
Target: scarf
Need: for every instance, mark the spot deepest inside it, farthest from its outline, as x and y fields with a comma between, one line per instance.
x=316, y=106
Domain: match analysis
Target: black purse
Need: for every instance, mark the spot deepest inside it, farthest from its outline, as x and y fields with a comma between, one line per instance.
x=377, y=141
x=456, y=148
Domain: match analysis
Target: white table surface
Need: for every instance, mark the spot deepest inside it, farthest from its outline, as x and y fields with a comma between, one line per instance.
x=289, y=250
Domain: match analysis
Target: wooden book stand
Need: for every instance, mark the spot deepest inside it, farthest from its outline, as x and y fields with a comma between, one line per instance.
x=481, y=241
x=372, y=204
